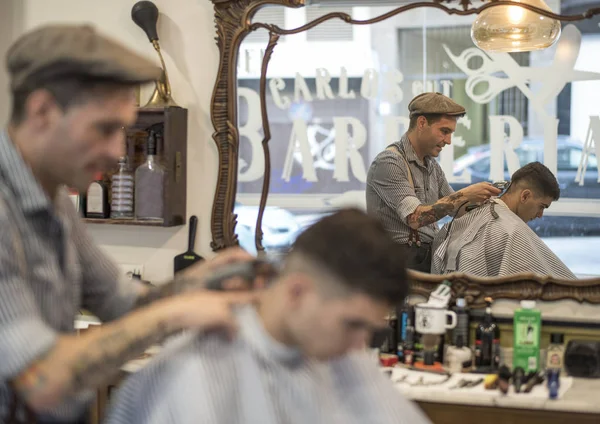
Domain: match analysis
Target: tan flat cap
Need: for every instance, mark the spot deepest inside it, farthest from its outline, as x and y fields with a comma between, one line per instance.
x=56, y=51
x=434, y=103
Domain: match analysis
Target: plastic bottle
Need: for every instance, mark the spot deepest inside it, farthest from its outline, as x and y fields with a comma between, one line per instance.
x=527, y=329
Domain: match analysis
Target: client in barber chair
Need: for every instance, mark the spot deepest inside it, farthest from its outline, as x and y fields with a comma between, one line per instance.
x=299, y=356
x=494, y=239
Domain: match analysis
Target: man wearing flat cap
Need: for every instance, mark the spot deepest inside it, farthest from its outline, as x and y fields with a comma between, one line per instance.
x=72, y=96
x=406, y=187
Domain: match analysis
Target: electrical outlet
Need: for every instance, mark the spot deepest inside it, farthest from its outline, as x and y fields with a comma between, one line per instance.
x=129, y=270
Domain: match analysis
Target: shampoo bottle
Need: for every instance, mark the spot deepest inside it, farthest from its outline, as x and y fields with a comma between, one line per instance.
x=527, y=329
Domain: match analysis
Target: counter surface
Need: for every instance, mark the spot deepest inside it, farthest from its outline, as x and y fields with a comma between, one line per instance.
x=576, y=394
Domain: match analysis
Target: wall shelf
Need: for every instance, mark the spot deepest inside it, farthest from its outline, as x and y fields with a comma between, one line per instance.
x=171, y=154
x=142, y=223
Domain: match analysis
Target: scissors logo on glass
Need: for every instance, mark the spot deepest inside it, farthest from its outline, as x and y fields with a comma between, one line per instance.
x=484, y=82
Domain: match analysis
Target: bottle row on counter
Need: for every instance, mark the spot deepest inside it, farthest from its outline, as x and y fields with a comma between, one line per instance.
x=128, y=194
x=483, y=355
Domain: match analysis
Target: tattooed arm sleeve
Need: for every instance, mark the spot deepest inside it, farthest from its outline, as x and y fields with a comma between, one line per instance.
x=425, y=215
x=75, y=363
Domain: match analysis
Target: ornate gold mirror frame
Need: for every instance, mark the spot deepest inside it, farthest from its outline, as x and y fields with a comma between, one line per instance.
x=233, y=20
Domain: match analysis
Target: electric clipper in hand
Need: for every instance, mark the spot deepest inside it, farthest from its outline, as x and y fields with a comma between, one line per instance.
x=502, y=185
x=249, y=272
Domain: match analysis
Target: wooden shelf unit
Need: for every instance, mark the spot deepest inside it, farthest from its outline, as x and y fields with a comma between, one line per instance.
x=137, y=222
x=171, y=154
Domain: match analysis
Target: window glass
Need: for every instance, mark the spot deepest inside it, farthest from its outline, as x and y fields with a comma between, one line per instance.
x=337, y=95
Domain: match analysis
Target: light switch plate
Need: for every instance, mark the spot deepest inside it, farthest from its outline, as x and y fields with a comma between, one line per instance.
x=130, y=269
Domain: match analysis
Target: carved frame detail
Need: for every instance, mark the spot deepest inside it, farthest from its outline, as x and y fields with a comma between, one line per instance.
x=233, y=19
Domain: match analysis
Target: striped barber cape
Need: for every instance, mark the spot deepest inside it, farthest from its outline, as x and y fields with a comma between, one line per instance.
x=256, y=380
x=492, y=241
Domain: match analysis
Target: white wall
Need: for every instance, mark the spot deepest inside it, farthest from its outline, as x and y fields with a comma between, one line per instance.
x=10, y=18
x=186, y=31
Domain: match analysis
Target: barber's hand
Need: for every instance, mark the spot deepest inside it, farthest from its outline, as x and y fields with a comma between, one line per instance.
x=208, y=310
x=199, y=272
x=480, y=192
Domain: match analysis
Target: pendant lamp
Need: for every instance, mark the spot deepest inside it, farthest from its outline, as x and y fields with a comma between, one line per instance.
x=514, y=28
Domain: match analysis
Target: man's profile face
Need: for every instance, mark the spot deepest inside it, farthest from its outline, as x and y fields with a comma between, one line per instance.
x=326, y=327
x=434, y=137
x=89, y=138
x=532, y=206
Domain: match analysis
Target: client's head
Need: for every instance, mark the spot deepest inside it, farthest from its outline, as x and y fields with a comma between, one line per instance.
x=533, y=188
x=341, y=279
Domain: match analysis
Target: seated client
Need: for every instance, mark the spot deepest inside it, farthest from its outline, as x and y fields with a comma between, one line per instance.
x=299, y=356
x=494, y=239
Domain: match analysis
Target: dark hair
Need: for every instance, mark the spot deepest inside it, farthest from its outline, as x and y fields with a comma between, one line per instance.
x=356, y=248
x=67, y=91
x=432, y=118
x=538, y=178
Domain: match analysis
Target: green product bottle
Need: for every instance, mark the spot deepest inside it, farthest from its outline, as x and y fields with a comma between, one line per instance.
x=527, y=329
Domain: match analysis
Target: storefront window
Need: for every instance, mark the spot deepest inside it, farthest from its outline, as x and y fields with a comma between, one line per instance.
x=338, y=94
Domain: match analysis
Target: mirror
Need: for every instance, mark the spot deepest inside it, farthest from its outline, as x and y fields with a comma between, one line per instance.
x=329, y=113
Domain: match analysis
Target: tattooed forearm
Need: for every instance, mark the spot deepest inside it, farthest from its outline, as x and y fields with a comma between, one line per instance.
x=87, y=361
x=455, y=198
x=426, y=215
x=111, y=351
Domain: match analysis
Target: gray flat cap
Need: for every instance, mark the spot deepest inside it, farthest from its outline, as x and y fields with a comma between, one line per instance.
x=434, y=103
x=56, y=51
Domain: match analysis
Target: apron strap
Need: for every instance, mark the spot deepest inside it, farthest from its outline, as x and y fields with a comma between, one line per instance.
x=413, y=234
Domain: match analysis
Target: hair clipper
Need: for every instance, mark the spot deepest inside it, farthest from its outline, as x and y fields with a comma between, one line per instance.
x=247, y=271
x=502, y=185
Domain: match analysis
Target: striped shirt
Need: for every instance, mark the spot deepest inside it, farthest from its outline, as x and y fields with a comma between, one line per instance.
x=492, y=241
x=255, y=380
x=49, y=269
x=390, y=196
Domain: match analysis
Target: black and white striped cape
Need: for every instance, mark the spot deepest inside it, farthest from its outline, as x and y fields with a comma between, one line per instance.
x=492, y=241
x=256, y=380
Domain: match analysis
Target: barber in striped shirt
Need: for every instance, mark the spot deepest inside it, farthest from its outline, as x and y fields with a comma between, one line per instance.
x=299, y=357
x=406, y=187
x=73, y=92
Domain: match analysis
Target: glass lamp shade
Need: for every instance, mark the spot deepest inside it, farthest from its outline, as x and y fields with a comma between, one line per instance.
x=514, y=29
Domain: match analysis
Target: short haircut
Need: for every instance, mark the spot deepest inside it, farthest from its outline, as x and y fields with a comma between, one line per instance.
x=432, y=118
x=538, y=178
x=356, y=249
x=67, y=91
